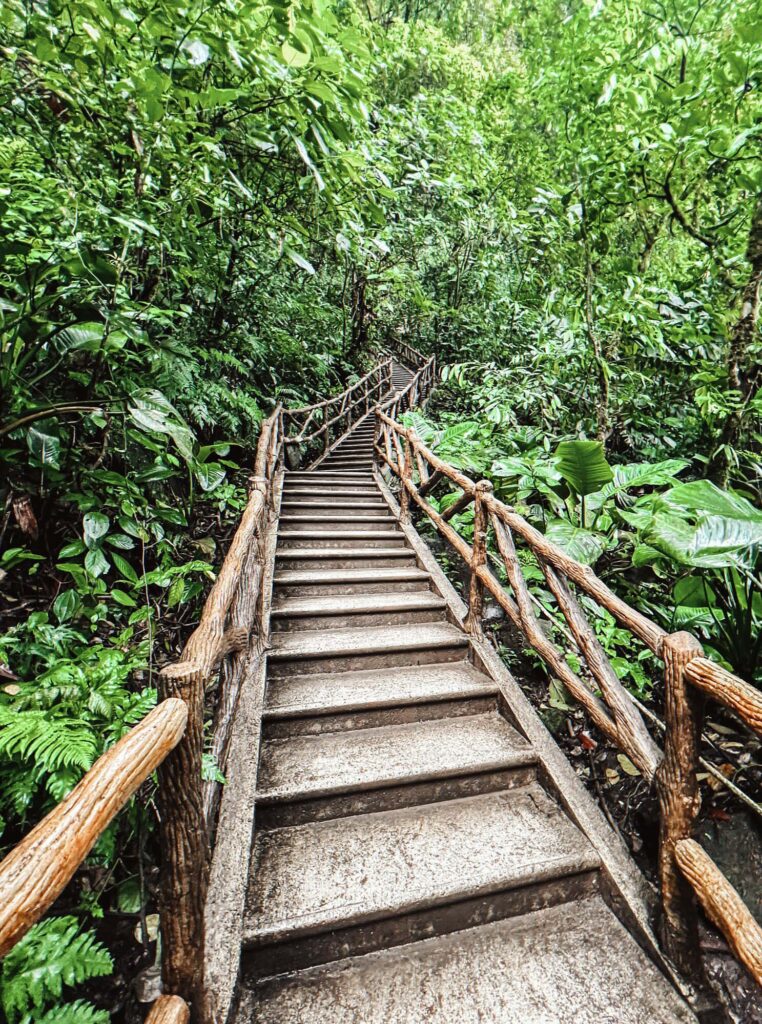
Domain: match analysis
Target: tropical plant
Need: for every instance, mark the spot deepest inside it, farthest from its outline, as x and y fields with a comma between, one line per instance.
x=53, y=955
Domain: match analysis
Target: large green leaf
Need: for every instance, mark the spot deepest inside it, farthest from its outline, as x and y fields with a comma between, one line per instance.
x=715, y=542
x=639, y=474
x=584, y=545
x=703, y=497
x=583, y=466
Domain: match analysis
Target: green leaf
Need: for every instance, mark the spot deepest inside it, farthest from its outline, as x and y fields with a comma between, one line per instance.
x=95, y=525
x=702, y=496
x=123, y=598
x=124, y=567
x=65, y=605
x=44, y=447
x=583, y=466
x=714, y=543
x=81, y=337
x=209, y=475
x=293, y=57
x=693, y=592
x=583, y=545
x=53, y=954
x=96, y=562
x=300, y=261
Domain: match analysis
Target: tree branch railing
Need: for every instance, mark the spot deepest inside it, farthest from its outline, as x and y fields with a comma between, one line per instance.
x=170, y=739
x=408, y=355
x=686, y=871
x=328, y=421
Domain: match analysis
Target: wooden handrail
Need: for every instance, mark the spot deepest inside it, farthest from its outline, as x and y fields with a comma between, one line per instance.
x=614, y=712
x=722, y=904
x=171, y=739
x=37, y=870
x=290, y=413
x=169, y=1010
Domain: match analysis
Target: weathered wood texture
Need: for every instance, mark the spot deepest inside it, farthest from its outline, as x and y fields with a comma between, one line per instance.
x=478, y=560
x=343, y=409
x=689, y=677
x=169, y=1010
x=722, y=905
x=728, y=689
x=679, y=800
x=36, y=872
x=185, y=808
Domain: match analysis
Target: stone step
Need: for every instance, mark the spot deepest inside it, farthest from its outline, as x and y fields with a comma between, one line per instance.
x=333, y=538
x=437, y=865
x=345, y=699
x=559, y=965
x=343, y=557
x=328, y=476
x=302, y=521
x=358, y=610
x=360, y=509
x=332, y=774
x=345, y=493
x=339, y=643
x=373, y=580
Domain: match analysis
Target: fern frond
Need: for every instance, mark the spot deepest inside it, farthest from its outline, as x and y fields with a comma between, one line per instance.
x=52, y=954
x=48, y=742
x=78, y=1012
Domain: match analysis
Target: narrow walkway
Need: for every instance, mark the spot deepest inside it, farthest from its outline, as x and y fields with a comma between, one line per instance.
x=409, y=866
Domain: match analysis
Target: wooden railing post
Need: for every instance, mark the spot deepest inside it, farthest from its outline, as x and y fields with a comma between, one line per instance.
x=184, y=844
x=473, y=621
x=406, y=478
x=680, y=800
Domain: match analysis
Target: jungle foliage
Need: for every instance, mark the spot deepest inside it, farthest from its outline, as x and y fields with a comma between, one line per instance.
x=207, y=208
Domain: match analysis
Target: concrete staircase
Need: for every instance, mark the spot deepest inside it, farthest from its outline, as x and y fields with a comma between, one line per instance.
x=411, y=862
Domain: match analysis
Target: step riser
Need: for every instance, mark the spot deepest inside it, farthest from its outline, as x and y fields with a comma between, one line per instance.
x=349, y=462
x=308, y=539
x=345, y=480
x=390, y=798
x=292, y=560
x=357, y=620
x=419, y=711
x=278, y=668
x=278, y=958
x=327, y=589
x=337, y=522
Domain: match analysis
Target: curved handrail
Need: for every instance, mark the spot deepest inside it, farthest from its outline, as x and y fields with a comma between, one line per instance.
x=614, y=712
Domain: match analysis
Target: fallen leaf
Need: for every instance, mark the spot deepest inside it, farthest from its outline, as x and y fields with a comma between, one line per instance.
x=626, y=765
x=728, y=770
x=25, y=517
x=586, y=740
x=612, y=776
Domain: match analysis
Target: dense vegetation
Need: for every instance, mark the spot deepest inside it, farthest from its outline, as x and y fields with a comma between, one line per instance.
x=209, y=207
